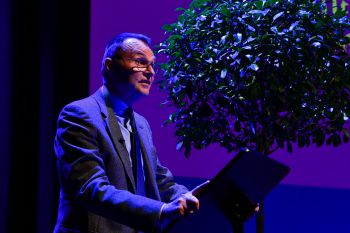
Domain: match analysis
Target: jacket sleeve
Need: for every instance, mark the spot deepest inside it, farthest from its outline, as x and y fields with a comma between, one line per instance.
x=83, y=178
x=169, y=190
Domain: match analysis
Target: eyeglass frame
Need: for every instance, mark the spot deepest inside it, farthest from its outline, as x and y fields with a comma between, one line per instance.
x=139, y=67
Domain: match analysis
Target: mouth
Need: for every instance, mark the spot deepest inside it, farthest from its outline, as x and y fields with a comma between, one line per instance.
x=148, y=82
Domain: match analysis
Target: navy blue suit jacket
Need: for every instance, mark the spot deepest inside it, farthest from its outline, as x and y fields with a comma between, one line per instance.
x=97, y=185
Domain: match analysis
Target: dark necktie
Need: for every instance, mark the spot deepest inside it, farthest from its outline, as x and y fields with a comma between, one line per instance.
x=135, y=154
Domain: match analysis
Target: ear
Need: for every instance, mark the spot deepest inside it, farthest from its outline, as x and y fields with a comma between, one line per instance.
x=108, y=63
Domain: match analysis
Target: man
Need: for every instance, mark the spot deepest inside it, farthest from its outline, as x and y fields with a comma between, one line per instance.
x=111, y=178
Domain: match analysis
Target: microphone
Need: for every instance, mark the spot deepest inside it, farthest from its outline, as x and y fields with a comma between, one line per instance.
x=121, y=140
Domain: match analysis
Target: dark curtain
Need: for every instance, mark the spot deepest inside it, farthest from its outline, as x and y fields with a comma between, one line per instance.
x=44, y=49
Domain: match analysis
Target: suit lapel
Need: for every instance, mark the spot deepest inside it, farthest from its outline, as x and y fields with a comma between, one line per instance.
x=147, y=161
x=114, y=132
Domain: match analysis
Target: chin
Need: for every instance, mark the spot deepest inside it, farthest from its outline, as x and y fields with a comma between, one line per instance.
x=143, y=91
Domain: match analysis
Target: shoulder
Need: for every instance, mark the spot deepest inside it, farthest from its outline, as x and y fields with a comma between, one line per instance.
x=91, y=105
x=86, y=105
x=141, y=120
x=139, y=117
x=86, y=110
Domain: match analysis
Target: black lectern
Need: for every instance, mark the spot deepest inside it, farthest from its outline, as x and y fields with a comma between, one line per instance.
x=231, y=196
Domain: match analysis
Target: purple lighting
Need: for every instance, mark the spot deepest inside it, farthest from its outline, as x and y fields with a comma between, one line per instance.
x=323, y=167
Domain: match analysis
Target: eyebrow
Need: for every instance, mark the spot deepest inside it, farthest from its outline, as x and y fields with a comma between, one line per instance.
x=144, y=55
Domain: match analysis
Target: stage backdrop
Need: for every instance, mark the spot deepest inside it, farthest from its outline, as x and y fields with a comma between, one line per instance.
x=322, y=167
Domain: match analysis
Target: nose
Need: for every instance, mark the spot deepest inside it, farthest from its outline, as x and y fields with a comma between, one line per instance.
x=150, y=69
x=149, y=72
x=149, y=75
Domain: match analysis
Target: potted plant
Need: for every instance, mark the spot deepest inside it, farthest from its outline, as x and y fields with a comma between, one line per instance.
x=258, y=74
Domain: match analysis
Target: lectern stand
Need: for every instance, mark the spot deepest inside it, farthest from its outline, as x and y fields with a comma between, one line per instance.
x=232, y=195
x=237, y=227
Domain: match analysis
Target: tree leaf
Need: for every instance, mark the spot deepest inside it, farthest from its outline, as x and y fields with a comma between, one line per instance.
x=277, y=16
x=179, y=145
x=223, y=73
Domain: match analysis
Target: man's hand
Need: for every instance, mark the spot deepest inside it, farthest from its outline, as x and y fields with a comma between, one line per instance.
x=257, y=208
x=183, y=206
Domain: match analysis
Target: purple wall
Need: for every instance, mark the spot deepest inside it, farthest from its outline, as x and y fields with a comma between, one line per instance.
x=324, y=167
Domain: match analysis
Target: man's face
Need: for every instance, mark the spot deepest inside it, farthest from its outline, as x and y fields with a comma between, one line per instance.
x=136, y=62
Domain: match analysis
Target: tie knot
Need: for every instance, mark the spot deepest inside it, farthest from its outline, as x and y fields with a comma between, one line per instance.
x=128, y=113
x=128, y=122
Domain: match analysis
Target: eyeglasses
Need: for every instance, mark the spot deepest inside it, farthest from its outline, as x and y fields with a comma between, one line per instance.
x=141, y=64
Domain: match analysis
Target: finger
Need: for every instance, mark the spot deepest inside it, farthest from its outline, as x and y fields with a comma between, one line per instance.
x=188, y=196
x=182, y=205
x=257, y=209
x=192, y=203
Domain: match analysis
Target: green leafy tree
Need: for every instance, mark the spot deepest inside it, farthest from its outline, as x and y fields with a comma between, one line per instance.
x=259, y=74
